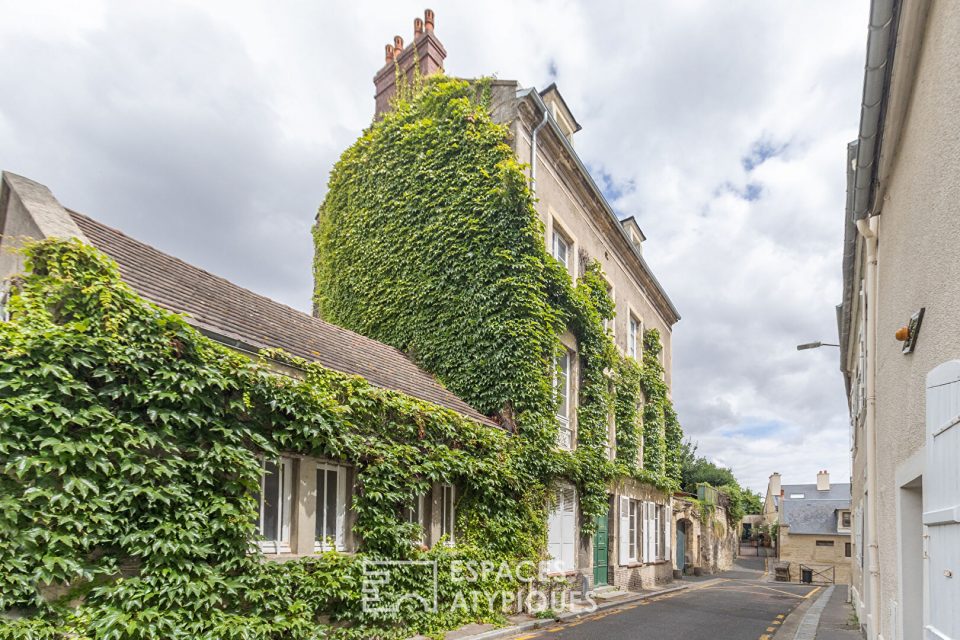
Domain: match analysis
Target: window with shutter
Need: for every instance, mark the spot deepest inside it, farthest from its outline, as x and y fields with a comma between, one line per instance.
x=561, y=532
x=941, y=500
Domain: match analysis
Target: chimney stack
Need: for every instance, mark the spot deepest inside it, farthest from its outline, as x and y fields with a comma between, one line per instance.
x=425, y=49
x=823, y=481
x=775, y=484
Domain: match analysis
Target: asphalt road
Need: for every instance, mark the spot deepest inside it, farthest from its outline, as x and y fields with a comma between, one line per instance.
x=741, y=605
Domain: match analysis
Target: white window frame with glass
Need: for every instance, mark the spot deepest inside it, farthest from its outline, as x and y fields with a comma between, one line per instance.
x=275, y=520
x=330, y=511
x=448, y=513
x=634, y=337
x=562, y=247
x=414, y=515
x=631, y=530
x=844, y=516
x=563, y=388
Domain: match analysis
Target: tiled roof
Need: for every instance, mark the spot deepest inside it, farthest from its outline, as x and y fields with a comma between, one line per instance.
x=217, y=306
x=836, y=491
x=816, y=512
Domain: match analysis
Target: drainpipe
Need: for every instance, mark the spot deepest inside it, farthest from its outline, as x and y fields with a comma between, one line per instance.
x=868, y=229
x=533, y=150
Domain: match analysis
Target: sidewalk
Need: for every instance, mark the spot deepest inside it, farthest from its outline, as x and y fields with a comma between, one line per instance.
x=828, y=617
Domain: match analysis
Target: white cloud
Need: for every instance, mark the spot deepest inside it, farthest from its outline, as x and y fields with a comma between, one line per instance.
x=209, y=129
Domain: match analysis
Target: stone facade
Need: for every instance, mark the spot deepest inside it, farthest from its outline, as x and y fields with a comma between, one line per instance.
x=828, y=556
x=710, y=542
x=912, y=221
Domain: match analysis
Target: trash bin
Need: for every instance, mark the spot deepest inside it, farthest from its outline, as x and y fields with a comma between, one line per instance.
x=806, y=575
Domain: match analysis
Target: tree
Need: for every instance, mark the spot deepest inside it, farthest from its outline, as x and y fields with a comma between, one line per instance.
x=696, y=469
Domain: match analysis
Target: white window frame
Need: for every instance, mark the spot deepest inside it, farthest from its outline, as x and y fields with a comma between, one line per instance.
x=415, y=515
x=448, y=513
x=657, y=532
x=634, y=336
x=840, y=525
x=635, y=532
x=564, y=372
x=562, y=239
x=320, y=542
x=284, y=501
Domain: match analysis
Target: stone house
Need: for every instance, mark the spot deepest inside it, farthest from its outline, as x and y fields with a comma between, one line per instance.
x=815, y=530
x=633, y=546
x=899, y=343
x=305, y=502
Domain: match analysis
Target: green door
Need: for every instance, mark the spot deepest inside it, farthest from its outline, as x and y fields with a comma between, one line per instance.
x=600, y=551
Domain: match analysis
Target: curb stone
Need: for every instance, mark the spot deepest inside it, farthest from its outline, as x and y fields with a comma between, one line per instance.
x=788, y=630
x=506, y=632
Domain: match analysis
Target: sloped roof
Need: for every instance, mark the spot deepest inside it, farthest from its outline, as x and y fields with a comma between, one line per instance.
x=229, y=312
x=816, y=512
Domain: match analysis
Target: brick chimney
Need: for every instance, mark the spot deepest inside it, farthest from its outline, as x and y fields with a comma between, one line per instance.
x=823, y=481
x=425, y=49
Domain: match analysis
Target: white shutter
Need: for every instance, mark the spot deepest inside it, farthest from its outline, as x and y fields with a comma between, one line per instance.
x=623, y=535
x=568, y=529
x=652, y=529
x=644, y=551
x=941, y=500
x=553, y=537
x=667, y=530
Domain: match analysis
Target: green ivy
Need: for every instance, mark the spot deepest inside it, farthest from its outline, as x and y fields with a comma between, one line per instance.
x=130, y=443
x=428, y=240
x=129, y=451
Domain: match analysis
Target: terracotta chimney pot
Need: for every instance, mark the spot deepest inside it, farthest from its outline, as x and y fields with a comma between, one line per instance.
x=397, y=44
x=417, y=27
x=428, y=20
x=389, y=56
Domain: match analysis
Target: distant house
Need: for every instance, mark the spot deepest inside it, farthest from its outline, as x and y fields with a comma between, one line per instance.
x=814, y=533
x=305, y=502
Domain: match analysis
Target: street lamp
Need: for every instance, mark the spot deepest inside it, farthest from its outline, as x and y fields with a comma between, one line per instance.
x=815, y=345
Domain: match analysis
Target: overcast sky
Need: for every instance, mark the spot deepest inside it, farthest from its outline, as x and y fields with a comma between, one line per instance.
x=208, y=129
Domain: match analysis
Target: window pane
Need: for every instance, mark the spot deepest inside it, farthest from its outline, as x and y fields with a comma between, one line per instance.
x=271, y=501
x=330, y=507
x=563, y=365
x=320, y=516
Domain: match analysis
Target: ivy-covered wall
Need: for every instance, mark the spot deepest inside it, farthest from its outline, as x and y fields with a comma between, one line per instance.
x=428, y=240
x=129, y=442
x=128, y=469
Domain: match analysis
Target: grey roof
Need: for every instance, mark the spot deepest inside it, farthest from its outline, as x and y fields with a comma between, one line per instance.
x=238, y=317
x=816, y=512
